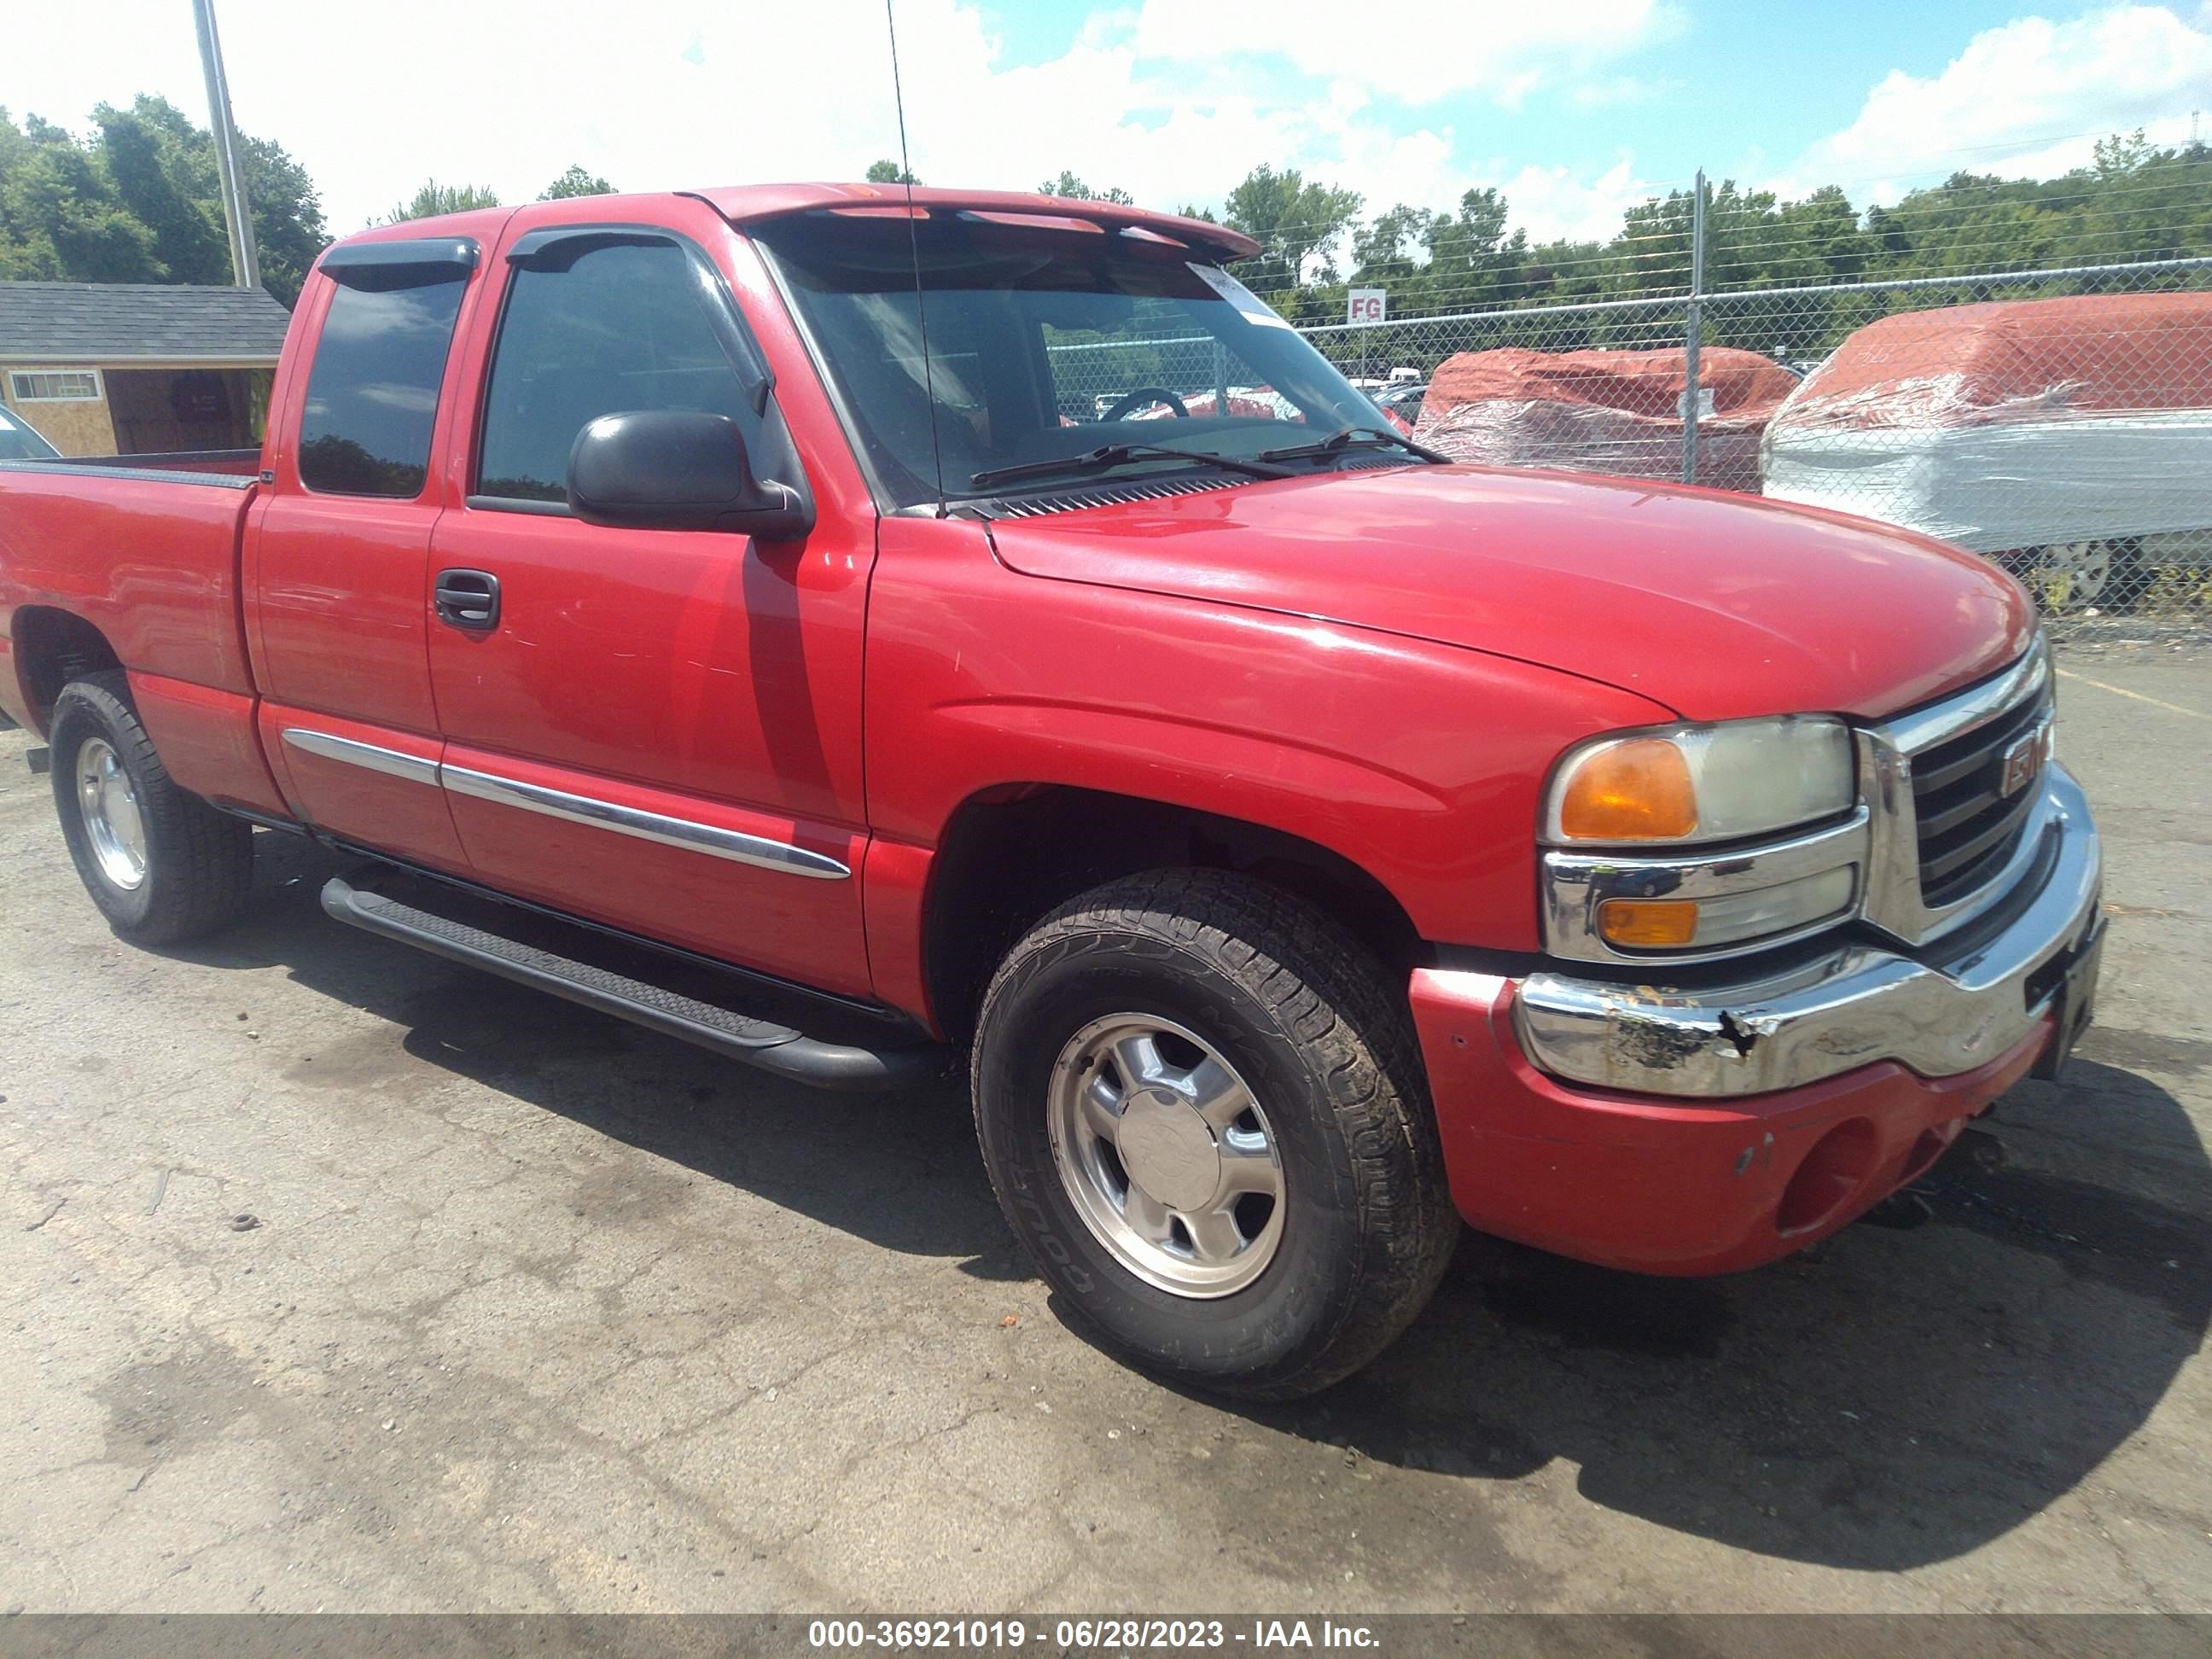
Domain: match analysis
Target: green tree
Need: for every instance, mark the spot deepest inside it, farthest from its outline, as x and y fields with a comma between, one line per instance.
x=1075, y=190
x=165, y=181
x=434, y=199
x=60, y=216
x=575, y=182
x=1383, y=250
x=1295, y=220
x=1474, y=263
x=138, y=200
x=289, y=230
x=2134, y=202
x=890, y=173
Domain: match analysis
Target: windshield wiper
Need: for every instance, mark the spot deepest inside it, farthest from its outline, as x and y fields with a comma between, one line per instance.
x=1106, y=455
x=1351, y=437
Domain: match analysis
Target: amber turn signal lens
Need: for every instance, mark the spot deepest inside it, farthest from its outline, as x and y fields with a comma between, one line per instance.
x=1654, y=922
x=1635, y=790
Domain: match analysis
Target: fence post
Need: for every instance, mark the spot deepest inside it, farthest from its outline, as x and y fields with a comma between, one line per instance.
x=1695, y=328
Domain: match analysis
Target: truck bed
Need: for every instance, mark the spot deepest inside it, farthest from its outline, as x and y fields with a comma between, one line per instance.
x=148, y=554
x=230, y=463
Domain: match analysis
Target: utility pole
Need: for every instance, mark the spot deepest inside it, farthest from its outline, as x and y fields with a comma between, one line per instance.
x=245, y=269
x=1694, y=334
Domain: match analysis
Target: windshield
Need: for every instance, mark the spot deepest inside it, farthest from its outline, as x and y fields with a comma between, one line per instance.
x=19, y=443
x=1047, y=339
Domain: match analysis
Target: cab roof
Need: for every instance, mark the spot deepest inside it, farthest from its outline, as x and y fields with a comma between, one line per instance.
x=751, y=204
x=745, y=204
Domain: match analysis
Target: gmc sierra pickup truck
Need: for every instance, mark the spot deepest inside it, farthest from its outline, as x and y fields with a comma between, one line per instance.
x=739, y=612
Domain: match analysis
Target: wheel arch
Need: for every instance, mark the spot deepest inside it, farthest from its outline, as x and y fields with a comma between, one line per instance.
x=52, y=646
x=1010, y=853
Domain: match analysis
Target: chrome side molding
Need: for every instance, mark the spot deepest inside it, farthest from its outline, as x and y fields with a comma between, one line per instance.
x=711, y=839
x=413, y=769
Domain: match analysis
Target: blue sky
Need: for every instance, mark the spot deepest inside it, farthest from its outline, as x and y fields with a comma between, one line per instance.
x=1725, y=80
x=1575, y=108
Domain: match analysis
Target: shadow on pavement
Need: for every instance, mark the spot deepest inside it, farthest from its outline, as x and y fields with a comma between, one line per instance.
x=1913, y=1388
x=898, y=1170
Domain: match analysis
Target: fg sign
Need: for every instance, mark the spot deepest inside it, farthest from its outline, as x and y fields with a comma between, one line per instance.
x=1366, y=305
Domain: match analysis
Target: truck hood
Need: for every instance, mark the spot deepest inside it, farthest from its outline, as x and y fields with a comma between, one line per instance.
x=1715, y=606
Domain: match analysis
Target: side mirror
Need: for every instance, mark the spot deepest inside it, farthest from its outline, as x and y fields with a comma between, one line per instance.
x=678, y=469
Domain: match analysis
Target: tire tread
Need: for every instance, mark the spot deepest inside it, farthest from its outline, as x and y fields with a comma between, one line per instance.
x=206, y=857
x=1330, y=994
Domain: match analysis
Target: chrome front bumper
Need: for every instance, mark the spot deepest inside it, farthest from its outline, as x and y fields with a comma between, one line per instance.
x=1961, y=1002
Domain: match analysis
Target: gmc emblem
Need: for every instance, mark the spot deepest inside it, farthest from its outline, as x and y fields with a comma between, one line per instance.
x=2023, y=761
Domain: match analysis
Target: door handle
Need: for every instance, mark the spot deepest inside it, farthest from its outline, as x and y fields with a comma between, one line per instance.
x=467, y=600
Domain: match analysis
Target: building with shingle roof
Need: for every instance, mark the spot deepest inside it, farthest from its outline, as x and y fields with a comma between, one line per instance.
x=133, y=368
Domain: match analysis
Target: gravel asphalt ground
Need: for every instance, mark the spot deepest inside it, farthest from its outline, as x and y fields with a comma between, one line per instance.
x=335, y=1277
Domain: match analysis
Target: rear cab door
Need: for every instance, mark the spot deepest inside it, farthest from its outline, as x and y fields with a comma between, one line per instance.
x=337, y=552
x=656, y=729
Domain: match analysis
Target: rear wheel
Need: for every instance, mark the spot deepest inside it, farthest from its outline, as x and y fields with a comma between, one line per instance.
x=2070, y=576
x=1203, y=1111
x=160, y=863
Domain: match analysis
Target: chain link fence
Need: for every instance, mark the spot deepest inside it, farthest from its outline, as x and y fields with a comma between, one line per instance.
x=2056, y=420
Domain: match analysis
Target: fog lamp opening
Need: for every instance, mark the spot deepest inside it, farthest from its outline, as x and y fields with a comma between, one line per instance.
x=1832, y=1173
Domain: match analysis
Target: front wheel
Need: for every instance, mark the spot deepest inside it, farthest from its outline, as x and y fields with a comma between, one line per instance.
x=160, y=863
x=2070, y=576
x=1203, y=1111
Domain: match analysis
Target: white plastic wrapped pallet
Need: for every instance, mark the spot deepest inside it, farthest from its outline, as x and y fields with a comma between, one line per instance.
x=2024, y=473
x=2011, y=426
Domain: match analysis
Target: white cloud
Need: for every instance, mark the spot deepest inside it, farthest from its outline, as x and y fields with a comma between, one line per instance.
x=1498, y=47
x=1554, y=202
x=1614, y=89
x=2027, y=99
x=1173, y=102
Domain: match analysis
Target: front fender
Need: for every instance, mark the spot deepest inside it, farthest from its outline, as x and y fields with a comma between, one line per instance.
x=1421, y=763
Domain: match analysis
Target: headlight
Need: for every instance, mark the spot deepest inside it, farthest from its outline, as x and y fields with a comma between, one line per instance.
x=1702, y=783
x=1702, y=841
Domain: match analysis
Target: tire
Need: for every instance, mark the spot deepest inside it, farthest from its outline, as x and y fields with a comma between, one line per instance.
x=2105, y=576
x=1275, y=993
x=196, y=865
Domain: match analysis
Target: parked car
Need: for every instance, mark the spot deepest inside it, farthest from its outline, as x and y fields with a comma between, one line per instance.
x=21, y=441
x=2068, y=439
x=1402, y=397
x=1602, y=410
x=1259, y=402
x=1303, y=843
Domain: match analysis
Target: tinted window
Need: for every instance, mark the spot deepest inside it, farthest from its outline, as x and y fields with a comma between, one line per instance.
x=623, y=327
x=375, y=389
x=1043, y=343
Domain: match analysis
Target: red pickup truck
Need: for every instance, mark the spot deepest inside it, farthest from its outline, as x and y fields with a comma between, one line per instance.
x=700, y=607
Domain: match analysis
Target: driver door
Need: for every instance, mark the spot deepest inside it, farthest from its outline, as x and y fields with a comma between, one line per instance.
x=657, y=730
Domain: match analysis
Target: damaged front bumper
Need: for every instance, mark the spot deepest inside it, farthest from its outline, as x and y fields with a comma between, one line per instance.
x=1948, y=1010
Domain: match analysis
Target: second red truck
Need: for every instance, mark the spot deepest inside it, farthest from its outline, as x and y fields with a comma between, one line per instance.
x=698, y=605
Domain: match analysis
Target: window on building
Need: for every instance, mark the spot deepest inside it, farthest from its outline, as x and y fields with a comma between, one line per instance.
x=54, y=386
x=374, y=391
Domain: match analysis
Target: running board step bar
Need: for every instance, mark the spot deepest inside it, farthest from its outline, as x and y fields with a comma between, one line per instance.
x=776, y=1048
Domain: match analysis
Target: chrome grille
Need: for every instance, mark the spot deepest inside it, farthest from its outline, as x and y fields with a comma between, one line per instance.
x=1966, y=823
